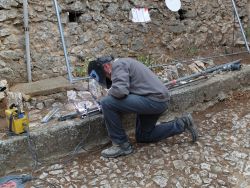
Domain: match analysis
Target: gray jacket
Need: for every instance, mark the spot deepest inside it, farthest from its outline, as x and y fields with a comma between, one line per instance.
x=129, y=76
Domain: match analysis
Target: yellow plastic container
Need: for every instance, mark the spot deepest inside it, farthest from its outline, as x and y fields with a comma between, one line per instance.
x=17, y=121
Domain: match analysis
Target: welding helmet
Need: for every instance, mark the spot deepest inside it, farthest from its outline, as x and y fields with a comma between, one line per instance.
x=96, y=70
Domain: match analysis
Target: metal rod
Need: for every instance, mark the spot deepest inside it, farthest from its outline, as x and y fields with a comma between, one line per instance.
x=63, y=40
x=228, y=66
x=241, y=28
x=27, y=39
x=190, y=82
x=202, y=58
x=80, y=78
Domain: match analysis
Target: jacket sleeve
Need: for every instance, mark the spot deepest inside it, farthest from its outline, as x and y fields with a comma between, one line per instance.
x=120, y=80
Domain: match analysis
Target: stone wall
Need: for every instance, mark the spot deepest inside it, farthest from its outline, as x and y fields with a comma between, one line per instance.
x=96, y=27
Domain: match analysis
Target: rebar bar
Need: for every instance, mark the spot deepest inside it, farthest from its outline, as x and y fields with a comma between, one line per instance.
x=198, y=59
x=63, y=40
x=27, y=39
x=241, y=27
x=235, y=65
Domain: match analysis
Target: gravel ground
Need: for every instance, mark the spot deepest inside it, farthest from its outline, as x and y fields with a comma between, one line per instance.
x=221, y=157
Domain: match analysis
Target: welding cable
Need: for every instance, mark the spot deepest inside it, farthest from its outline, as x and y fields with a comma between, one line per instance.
x=31, y=147
x=73, y=153
x=77, y=148
x=94, y=150
x=82, y=142
x=80, y=145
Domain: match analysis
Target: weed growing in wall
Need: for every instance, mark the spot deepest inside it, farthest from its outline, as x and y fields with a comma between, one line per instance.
x=150, y=61
x=192, y=51
x=247, y=32
x=146, y=60
x=81, y=69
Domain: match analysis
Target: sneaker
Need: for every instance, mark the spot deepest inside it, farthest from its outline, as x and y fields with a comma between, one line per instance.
x=187, y=123
x=117, y=150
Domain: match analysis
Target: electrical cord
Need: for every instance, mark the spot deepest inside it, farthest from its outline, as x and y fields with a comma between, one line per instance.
x=31, y=147
x=78, y=147
x=35, y=157
x=101, y=147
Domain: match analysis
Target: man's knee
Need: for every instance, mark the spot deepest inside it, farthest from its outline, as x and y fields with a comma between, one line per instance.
x=105, y=101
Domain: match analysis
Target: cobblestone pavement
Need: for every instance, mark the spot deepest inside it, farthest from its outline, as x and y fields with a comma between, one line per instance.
x=221, y=157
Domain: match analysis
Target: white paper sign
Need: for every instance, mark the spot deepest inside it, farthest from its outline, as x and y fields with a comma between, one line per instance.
x=173, y=5
x=140, y=15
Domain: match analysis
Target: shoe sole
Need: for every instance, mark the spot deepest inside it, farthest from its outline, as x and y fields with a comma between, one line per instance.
x=192, y=129
x=119, y=154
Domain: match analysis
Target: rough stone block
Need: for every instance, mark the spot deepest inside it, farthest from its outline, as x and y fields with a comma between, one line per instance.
x=3, y=107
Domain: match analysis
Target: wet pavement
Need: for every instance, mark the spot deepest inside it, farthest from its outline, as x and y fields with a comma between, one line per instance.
x=220, y=158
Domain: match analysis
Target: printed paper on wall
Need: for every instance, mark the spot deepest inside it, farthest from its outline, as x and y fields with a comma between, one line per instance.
x=140, y=15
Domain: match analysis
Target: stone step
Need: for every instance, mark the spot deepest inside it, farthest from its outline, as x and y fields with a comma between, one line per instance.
x=43, y=87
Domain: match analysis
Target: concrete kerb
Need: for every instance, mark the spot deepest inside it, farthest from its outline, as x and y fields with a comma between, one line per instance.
x=62, y=138
x=208, y=90
x=51, y=142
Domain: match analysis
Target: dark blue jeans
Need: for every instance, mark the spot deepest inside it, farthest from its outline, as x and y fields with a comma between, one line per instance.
x=148, y=112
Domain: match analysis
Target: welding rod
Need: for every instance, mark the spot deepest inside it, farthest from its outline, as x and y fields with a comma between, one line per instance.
x=235, y=65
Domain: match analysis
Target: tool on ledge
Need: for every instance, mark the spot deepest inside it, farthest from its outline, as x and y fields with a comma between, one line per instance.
x=82, y=113
x=17, y=119
x=49, y=115
x=232, y=66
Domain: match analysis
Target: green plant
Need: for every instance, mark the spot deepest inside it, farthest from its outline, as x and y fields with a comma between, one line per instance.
x=247, y=32
x=80, y=71
x=149, y=61
x=146, y=60
x=191, y=51
x=81, y=68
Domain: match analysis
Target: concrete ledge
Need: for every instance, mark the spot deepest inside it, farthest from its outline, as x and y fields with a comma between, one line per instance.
x=43, y=87
x=62, y=138
x=207, y=90
x=51, y=141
